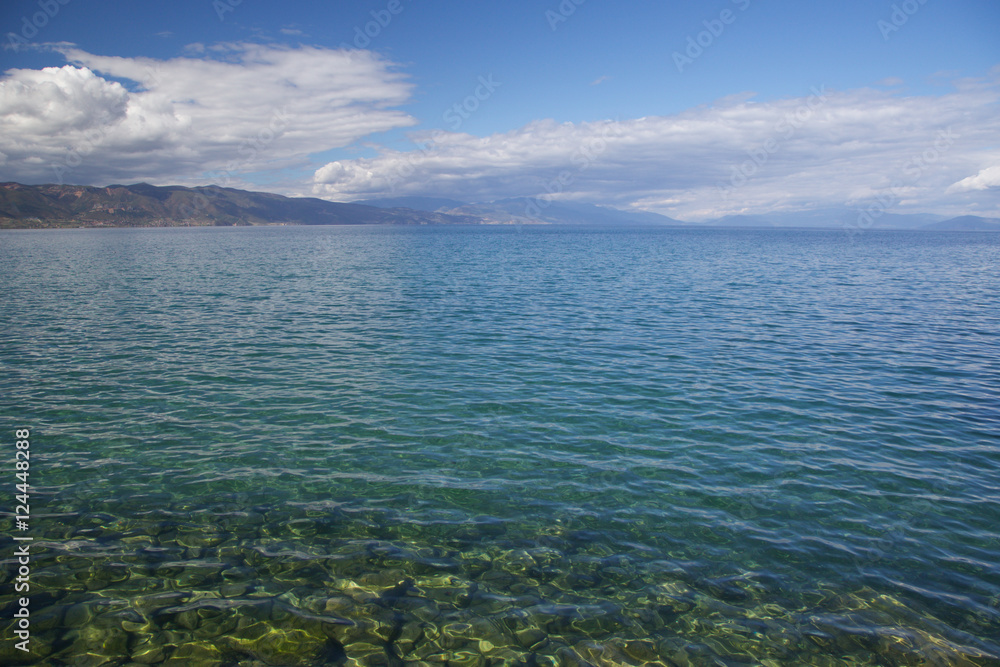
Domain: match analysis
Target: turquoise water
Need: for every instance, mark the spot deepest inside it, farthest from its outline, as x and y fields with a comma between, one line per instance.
x=504, y=446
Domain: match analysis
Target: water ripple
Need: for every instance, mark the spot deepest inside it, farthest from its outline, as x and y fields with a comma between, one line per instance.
x=537, y=446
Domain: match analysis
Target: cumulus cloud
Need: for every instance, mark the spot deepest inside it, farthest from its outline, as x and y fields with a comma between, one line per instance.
x=825, y=148
x=57, y=99
x=986, y=179
x=233, y=109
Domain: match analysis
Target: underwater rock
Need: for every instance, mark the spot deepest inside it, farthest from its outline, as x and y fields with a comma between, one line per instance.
x=410, y=636
x=351, y=589
x=40, y=647
x=487, y=629
x=81, y=614
x=570, y=658
x=199, y=539
x=338, y=604
x=233, y=590
x=516, y=561
x=49, y=618
x=293, y=647
x=640, y=651
x=531, y=638
x=593, y=652
x=239, y=573
x=192, y=653
x=149, y=654
x=426, y=611
x=96, y=646
x=459, y=594
x=187, y=619
x=360, y=630
x=211, y=626
x=914, y=647
x=363, y=654
x=302, y=527
x=467, y=657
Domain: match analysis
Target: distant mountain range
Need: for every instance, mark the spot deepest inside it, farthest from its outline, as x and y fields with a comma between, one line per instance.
x=529, y=210
x=829, y=217
x=144, y=205
x=541, y=211
x=966, y=223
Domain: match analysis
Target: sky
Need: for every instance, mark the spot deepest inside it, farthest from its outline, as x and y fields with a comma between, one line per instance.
x=689, y=109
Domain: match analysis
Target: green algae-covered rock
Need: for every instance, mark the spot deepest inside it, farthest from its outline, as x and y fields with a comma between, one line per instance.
x=39, y=648
x=364, y=653
x=149, y=654
x=277, y=647
x=192, y=653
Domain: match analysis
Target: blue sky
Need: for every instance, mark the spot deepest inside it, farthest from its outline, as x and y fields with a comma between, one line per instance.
x=613, y=103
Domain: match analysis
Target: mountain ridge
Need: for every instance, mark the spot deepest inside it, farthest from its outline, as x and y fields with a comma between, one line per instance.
x=144, y=205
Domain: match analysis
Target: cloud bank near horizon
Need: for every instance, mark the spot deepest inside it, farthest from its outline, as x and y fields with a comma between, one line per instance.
x=225, y=112
x=826, y=148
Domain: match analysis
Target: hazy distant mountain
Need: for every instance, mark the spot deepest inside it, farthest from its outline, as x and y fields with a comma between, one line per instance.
x=144, y=205
x=540, y=211
x=416, y=203
x=831, y=218
x=741, y=221
x=966, y=223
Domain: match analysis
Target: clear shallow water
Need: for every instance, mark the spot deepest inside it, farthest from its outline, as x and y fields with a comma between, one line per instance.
x=303, y=446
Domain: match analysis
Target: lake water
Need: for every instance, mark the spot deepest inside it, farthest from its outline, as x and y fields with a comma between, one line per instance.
x=503, y=446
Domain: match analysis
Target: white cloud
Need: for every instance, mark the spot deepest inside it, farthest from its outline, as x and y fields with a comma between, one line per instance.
x=826, y=148
x=227, y=110
x=247, y=108
x=986, y=179
x=57, y=99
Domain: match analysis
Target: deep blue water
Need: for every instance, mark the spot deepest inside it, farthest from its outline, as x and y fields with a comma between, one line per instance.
x=401, y=446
